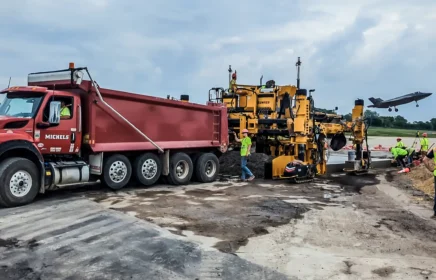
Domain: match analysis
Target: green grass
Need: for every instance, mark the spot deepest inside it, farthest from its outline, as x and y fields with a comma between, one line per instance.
x=397, y=132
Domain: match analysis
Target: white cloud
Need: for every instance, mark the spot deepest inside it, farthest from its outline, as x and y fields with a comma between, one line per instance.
x=359, y=49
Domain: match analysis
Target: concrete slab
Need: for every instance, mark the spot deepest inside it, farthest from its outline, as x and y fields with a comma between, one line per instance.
x=336, y=163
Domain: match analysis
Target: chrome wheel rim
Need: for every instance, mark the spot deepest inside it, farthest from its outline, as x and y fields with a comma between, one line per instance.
x=149, y=168
x=118, y=171
x=20, y=183
x=210, y=168
x=182, y=169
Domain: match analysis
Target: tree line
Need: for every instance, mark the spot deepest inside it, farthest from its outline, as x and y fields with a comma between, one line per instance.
x=390, y=122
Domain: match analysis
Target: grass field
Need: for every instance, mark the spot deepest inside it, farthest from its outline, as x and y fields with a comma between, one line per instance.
x=394, y=132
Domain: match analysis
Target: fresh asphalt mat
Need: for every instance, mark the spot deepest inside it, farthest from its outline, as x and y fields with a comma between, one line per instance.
x=79, y=239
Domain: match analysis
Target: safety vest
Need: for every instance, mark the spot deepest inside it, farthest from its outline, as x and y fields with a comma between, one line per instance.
x=434, y=160
x=410, y=150
x=399, y=144
x=424, y=144
x=231, y=84
x=65, y=112
x=398, y=152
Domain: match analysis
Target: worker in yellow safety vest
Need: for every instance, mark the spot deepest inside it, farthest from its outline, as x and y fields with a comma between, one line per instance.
x=410, y=154
x=232, y=83
x=424, y=144
x=65, y=111
x=399, y=155
x=245, y=152
x=428, y=165
x=400, y=143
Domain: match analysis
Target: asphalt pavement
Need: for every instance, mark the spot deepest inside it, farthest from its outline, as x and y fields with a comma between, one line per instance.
x=75, y=238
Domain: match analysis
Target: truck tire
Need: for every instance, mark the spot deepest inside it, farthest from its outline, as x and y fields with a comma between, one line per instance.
x=181, y=169
x=19, y=182
x=147, y=169
x=207, y=168
x=194, y=159
x=117, y=171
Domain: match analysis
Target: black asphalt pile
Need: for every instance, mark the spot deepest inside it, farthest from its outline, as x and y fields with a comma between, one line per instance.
x=230, y=163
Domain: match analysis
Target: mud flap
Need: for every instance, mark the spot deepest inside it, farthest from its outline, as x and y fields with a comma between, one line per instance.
x=165, y=159
x=338, y=142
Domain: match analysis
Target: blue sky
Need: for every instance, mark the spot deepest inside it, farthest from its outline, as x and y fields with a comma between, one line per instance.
x=361, y=49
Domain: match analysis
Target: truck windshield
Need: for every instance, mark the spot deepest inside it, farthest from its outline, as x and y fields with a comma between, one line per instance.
x=19, y=105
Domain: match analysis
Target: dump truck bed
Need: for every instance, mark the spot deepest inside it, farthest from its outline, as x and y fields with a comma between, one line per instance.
x=170, y=124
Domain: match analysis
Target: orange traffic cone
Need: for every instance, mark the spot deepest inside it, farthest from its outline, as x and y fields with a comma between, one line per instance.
x=404, y=170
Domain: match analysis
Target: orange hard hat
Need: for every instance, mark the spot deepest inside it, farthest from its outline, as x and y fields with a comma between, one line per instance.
x=424, y=134
x=245, y=131
x=234, y=76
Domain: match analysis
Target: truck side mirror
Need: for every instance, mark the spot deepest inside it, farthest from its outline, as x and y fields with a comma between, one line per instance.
x=55, y=113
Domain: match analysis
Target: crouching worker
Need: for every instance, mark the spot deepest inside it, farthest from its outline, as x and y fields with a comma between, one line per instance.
x=399, y=155
x=245, y=152
x=410, y=154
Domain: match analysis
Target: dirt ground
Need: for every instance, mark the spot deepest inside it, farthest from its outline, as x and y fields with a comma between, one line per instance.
x=423, y=180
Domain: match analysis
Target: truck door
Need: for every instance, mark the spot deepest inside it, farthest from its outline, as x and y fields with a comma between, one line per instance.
x=64, y=138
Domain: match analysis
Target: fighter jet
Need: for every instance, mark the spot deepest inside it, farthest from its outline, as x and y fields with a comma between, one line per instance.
x=394, y=102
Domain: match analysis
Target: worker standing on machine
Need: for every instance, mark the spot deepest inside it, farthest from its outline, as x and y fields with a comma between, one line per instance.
x=400, y=143
x=232, y=83
x=245, y=152
x=424, y=144
x=399, y=155
x=427, y=158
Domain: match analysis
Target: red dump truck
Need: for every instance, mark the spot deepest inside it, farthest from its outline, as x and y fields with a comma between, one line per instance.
x=63, y=129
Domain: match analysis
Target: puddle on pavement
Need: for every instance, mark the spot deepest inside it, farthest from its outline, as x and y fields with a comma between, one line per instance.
x=354, y=183
x=384, y=271
x=203, y=192
x=231, y=246
x=219, y=185
x=15, y=243
x=9, y=243
x=152, y=193
x=389, y=176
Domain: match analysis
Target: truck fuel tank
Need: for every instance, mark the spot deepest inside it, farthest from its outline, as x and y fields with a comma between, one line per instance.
x=66, y=173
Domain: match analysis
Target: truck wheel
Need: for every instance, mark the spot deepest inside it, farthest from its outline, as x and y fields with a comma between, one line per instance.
x=148, y=169
x=181, y=169
x=194, y=159
x=117, y=171
x=19, y=182
x=207, y=168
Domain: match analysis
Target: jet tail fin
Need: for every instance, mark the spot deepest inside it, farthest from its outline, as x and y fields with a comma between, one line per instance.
x=375, y=101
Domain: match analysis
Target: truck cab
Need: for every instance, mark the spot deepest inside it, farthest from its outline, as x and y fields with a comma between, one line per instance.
x=45, y=118
x=36, y=123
